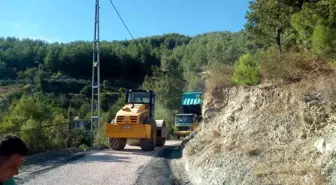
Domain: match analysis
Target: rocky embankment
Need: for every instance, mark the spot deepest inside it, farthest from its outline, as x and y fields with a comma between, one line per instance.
x=267, y=134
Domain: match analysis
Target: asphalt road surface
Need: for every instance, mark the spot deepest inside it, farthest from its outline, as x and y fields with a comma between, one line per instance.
x=163, y=169
x=128, y=167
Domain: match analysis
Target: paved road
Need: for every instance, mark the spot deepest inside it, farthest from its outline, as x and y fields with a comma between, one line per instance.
x=164, y=169
x=103, y=167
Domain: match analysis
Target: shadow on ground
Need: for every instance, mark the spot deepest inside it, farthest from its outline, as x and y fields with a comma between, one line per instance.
x=160, y=168
x=103, y=157
x=136, y=150
x=170, y=152
x=129, y=152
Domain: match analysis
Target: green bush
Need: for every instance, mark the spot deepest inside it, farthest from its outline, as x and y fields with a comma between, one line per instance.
x=102, y=127
x=78, y=137
x=34, y=136
x=84, y=146
x=246, y=71
x=86, y=91
x=324, y=40
x=41, y=122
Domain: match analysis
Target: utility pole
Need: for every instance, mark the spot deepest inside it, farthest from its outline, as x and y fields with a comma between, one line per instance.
x=95, y=100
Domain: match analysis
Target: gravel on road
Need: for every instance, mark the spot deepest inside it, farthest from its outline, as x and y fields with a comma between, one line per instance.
x=103, y=167
x=163, y=169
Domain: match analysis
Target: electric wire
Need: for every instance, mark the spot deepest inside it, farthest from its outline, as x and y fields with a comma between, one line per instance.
x=122, y=20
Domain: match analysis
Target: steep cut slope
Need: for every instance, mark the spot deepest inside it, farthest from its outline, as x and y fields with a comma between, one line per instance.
x=268, y=134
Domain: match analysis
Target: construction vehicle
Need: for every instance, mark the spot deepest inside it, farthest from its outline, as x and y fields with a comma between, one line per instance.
x=188, y=121
x=135, y=123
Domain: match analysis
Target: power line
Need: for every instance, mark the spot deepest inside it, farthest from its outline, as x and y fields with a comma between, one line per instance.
x=45, y=126
x=122, y=20
x=18, y=130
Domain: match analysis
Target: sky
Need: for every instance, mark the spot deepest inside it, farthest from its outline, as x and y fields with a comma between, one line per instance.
x=71, y=20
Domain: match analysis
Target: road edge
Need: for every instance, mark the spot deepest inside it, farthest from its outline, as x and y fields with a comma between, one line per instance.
x=173, y=165
x=26, y=174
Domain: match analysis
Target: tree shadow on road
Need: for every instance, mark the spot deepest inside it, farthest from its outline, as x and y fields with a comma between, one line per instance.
x=159, y=152
x=103, y=157
x=128, y=151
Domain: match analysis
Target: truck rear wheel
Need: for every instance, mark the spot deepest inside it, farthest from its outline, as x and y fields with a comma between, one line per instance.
x=117, y=143
x=147, y=145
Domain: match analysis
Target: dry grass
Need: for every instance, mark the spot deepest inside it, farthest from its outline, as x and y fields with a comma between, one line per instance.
x=277, y=68
x=296, y=161
x=319, y=94
x=288, y=67
x=216, y=133
x=327, y=85
x=4, y=90
x=283, y=168
x=249, y=148
x=217, y=148
x=291, y=67
x=324, y=84
x=189, y=150
x=220, y=76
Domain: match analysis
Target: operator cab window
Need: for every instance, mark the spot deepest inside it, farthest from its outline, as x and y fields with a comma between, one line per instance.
x=139, y=97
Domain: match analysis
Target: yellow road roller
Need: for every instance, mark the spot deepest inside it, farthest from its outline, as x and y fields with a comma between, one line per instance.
x=134, y=123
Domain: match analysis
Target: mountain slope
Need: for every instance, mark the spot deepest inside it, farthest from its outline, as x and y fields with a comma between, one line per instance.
x=266, y=134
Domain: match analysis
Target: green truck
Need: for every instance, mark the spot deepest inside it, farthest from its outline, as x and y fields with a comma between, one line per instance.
x=188, y=121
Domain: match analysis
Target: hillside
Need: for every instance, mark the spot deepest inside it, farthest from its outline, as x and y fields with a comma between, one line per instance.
x=58, y=80
x=266, y=134
x=283, y=42
x=270, y=118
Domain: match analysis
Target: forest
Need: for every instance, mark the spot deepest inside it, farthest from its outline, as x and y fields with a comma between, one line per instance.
x=45, y=85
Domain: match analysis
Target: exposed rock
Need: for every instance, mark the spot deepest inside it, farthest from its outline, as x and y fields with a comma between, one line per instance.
x=268, y=134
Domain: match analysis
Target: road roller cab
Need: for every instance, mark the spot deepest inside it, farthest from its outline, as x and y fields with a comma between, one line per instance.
x=135, y=121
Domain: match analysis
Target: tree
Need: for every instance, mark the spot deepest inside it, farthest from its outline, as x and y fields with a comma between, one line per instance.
x=324, y=40
x=40, y=121
x=168, y=84
x=268, y=20
x=2, y=70
x=314, y=23
x=247, y=71
x=117, y=105
x=167, y=81
x=125, y=61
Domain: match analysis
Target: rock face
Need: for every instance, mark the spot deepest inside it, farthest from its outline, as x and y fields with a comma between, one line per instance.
x=268, y=134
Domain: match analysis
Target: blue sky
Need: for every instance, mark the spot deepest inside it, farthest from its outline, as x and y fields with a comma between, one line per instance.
x=70, y=20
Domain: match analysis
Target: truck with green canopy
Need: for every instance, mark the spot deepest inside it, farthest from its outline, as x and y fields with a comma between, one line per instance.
x=188, y=121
